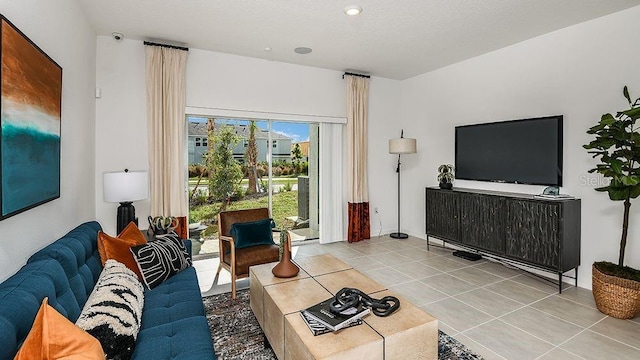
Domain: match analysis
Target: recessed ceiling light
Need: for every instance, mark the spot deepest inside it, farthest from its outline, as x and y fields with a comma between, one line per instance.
x=267, y=49
x=302, y=50
x=353, y=10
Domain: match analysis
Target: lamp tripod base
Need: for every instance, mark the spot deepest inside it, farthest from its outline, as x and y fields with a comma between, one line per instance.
x=398, y=235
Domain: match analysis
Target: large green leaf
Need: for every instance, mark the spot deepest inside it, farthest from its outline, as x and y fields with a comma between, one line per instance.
x=616, y=166
x=618, y=194
x=595, y=129
x=601, y=143
x=625, y=92
x=607, y=119
x=632, y=113
x=630, y=180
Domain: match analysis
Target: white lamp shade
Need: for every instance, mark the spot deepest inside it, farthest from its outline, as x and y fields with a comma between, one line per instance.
x=402, y=146
x=125, y=186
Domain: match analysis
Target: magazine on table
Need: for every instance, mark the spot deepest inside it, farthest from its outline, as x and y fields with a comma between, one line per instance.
x=317, y=328
x=322, y=314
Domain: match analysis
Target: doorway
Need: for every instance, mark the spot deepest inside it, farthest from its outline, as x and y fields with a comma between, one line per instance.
x=248, y=163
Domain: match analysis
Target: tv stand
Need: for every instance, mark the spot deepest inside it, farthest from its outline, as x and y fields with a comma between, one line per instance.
x=540, y=233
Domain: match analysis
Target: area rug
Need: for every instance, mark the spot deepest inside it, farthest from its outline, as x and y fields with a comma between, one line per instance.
x=236, y=333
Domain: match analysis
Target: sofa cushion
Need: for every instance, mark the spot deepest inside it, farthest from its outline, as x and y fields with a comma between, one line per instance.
x=117, y=248
x=53, y=336
x=77, y=252
x=182, y=243
x=130, y=234
x=113, y=311
x=172, y=313
x=174, y=325
x=179, y=297
x=187, y=338
x=160, y=259
x=21, y=296
x=252, y=233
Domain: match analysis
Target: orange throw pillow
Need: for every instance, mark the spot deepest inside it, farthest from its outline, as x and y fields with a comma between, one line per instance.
x=53, y=336
x=117, y=248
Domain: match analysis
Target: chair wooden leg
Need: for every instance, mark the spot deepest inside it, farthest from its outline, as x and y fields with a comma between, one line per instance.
x=219, y=267
x=233, y=283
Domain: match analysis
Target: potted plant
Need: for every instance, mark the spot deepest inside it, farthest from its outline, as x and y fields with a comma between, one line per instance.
x=616, y=288
x=446, y=176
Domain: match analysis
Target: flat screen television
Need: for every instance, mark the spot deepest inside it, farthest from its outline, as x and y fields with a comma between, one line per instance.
x=527, y=151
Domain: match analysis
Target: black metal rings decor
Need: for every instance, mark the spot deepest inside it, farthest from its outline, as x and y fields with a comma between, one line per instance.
x=348, y=298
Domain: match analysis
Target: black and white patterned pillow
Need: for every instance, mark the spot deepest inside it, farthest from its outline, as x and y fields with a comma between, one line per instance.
x=161, y=258
x=113, y=311
x=173, y=235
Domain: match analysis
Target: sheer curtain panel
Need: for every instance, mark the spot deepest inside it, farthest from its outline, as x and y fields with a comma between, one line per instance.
x=330, y=187
x=165, y=78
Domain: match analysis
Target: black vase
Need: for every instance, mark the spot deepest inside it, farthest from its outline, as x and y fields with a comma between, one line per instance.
x=446, y=185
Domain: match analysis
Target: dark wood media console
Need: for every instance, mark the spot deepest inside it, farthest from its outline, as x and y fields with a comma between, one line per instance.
x=541, y=233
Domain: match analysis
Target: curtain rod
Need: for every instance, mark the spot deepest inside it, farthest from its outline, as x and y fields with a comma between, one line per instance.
x=149, y=43
x=354, y=74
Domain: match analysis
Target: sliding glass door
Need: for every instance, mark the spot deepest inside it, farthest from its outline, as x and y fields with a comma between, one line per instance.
x=250, y=163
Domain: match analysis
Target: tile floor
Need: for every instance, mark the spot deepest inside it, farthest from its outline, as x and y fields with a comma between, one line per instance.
x=499, y=312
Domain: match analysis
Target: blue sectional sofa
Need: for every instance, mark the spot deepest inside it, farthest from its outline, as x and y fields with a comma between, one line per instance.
x=173, y=325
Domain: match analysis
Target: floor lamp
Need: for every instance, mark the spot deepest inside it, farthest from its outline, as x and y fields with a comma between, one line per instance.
x=401, y=146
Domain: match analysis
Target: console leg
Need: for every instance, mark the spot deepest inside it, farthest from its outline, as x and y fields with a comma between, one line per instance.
x=427, y=242
x=560, y=283
x=576, y=272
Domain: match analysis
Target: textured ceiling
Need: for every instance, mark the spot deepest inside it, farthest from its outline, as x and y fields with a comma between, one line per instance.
x=395, y=39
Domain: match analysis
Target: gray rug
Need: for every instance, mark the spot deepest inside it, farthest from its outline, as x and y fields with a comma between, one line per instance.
x=237, y=335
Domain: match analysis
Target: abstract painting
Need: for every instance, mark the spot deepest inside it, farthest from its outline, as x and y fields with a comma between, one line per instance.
x=31, y=108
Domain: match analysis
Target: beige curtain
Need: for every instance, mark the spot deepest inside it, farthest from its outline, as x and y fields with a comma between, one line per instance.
x=357, y=104
x=165, y=74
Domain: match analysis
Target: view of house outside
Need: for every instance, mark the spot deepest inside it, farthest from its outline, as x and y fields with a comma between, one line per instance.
x=229, y=170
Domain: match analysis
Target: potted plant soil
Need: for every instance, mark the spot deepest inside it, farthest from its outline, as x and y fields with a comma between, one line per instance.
x=446, y=176
x=616, y=288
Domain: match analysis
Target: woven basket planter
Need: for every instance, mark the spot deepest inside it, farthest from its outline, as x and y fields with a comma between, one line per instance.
x=616, y=297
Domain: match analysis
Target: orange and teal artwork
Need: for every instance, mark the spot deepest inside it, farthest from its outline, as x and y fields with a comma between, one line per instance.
x=31, y=109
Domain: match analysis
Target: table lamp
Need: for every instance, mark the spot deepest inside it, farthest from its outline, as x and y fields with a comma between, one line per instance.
x=125, y=187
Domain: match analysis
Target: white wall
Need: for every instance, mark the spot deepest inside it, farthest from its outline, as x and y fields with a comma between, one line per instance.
x=214, y=80
x=60, y=29
x=578, y=72
x=121, y=121
x=384, y=124
x=223, y=81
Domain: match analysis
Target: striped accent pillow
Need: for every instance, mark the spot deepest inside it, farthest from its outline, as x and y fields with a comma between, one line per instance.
x=113, y=311
x=161, y=258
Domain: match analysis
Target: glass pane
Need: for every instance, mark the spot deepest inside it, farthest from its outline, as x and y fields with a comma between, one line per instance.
x=295, y=178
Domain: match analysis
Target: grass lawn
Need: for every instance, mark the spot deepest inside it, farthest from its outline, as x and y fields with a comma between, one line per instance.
x=284, y=204
x=282, y=180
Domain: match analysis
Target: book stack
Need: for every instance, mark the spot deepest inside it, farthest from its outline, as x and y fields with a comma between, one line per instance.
x=321, y=320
